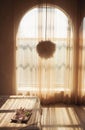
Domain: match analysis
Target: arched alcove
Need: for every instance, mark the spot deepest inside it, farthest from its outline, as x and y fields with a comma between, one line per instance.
x=36, y=75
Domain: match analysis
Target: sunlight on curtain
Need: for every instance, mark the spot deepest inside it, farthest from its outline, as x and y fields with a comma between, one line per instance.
x=81, y=76
x=48, y=78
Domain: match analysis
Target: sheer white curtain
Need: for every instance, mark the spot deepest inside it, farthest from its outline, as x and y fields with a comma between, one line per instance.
x=51, y=79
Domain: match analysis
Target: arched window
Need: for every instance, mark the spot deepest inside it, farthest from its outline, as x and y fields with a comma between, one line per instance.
x=45, y=77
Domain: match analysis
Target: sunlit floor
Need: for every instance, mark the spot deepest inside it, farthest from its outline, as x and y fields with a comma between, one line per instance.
x=63, y=118
x=57, y=117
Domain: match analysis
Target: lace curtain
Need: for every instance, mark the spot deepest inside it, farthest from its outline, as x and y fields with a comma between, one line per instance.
x=50, y=79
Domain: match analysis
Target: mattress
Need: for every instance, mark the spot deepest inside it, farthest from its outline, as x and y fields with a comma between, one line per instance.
x=8, y=107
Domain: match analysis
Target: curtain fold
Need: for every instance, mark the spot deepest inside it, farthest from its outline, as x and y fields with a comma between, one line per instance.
x=81, y=64
x=50, y=79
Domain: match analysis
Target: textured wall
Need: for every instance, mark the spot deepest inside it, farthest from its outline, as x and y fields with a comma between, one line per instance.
x=11, y=12
x=6, y=47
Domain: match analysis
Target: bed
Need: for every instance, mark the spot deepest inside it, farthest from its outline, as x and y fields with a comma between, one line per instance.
x=8, y=107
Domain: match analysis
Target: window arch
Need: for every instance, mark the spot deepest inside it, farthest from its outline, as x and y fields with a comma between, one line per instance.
x=34, y=74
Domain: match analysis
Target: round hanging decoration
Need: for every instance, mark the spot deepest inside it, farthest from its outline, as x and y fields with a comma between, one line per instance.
x=46, y=49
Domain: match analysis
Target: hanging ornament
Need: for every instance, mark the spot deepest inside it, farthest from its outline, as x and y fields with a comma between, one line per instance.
x=46, y=48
